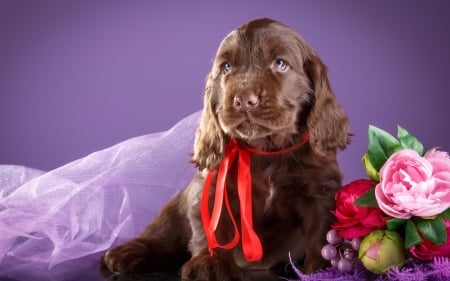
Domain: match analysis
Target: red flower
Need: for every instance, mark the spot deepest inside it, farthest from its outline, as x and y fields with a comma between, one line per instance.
x=356, y=221
x=427, y=250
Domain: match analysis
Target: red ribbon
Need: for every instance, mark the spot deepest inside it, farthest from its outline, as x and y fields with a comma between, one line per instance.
x=251, y=244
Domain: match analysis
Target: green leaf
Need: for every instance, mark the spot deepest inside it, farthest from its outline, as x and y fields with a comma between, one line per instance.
x=412, y=236
x=409, y=141
x=446, y=214
x=433, y=230
x=368, y=199
x=395, y=224
x=381, y=145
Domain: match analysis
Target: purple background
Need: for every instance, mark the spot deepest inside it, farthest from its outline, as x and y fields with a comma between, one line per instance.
x=79, y=76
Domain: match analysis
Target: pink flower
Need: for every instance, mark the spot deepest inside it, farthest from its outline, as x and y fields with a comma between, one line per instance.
x=411, y=185
x=427, y=250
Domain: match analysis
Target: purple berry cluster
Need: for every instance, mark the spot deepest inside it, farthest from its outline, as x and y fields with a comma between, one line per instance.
x=342, y=253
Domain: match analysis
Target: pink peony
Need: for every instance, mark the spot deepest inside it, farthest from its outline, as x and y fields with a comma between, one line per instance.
x=411, y=185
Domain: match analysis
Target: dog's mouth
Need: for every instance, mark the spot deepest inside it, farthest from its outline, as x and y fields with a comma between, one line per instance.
x=250, y=127
x=249, y=130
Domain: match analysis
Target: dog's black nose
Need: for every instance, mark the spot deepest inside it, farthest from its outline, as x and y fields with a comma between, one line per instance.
x=246, y=102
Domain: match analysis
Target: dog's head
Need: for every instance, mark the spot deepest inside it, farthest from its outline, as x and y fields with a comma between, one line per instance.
x=266, y=87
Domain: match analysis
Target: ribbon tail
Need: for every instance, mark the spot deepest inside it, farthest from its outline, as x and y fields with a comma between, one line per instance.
x=210, y=222
x=220, y=186
x=251, y=243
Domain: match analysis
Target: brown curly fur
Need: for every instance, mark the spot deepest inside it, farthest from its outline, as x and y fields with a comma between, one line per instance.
x=293, y=193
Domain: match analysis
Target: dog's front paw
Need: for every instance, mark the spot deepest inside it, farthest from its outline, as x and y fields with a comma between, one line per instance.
x=211, y=268
x=130, y=257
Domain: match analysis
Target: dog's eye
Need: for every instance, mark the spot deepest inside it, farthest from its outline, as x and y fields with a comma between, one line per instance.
x=226, y=67
x=280, y=65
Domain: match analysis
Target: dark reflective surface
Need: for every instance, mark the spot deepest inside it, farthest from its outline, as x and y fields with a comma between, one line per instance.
x=251, y=276
x=88, y=269
x=172, y=276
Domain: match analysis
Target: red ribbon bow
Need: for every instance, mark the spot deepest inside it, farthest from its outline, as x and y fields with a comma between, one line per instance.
x=251, y=244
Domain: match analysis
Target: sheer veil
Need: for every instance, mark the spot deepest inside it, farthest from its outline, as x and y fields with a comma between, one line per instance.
x=83, y=208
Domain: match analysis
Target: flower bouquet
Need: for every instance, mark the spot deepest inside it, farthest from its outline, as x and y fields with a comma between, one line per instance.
x=396, y=224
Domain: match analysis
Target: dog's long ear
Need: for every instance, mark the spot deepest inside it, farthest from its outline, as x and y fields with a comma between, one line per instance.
x=327, y=123
x=209, y=139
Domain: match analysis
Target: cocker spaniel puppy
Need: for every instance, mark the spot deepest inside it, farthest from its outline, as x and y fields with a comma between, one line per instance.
x=267, y=171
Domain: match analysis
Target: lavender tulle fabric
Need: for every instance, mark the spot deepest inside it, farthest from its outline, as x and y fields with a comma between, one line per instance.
x=81, y=209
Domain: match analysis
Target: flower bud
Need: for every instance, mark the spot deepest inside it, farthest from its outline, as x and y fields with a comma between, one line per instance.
x=381, y=250
x=370, y=170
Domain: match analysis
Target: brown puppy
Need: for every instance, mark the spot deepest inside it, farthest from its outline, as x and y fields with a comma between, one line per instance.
x=267, y=90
